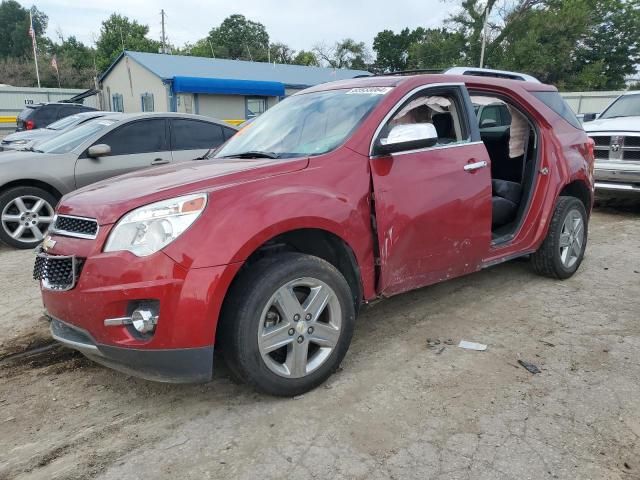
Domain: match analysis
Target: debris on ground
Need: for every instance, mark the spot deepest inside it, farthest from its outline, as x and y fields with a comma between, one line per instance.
x=548, y=344
x=440, y=351
x=432, y=342
x=530, y=367
x=472, y=346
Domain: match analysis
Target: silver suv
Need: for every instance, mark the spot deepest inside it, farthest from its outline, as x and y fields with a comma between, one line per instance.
x=32, y=182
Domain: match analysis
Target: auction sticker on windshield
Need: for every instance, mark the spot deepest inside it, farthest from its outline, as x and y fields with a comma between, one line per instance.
x=369, y=91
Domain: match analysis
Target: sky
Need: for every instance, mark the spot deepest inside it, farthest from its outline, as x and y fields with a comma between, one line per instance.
x=300, y=24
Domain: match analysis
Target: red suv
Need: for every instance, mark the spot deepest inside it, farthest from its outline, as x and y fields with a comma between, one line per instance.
x=338, y=195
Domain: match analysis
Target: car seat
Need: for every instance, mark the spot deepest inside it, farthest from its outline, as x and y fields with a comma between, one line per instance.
x=444, y=126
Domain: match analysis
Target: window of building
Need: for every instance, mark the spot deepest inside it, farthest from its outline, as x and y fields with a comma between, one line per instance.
x=255, y=106
x=118, y=102
x=147, y=102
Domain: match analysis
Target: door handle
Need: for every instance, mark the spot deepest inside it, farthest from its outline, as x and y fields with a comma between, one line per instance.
x=160, y=161
x=470, y=167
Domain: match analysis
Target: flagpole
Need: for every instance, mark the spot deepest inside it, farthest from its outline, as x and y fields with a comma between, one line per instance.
x=35, y=50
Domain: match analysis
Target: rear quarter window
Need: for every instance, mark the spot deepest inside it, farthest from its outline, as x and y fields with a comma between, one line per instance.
x=555, y=102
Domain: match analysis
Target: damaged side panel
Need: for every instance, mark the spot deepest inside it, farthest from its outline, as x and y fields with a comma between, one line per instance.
x=432, y=219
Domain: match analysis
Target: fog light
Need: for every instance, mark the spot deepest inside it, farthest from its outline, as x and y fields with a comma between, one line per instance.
x=143, y=320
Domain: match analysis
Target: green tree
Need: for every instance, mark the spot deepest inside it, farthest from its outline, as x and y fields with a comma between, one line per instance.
x=392, y=49
x=609, y=51
x=281, y=53
x=14, y=29
x=239, y=38
x=74, y=52
x=118, y=33
x=306, y=58
x=346, y=53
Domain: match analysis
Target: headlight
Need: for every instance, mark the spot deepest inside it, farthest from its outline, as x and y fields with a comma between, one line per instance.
x=18, y=142
x=147, y=229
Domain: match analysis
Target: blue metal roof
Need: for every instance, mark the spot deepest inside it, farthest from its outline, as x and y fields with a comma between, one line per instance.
x=169, y=66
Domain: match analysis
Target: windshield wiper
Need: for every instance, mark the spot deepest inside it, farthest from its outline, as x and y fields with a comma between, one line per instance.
x=253, y=154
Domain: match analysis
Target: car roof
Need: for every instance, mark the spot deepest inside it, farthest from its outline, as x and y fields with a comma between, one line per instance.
x=135, y=116
x=433, y=78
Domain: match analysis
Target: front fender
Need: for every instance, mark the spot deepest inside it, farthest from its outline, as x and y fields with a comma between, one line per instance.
x=241, y=218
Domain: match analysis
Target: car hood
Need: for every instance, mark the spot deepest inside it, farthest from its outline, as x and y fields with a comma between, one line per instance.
x=9, y=157
x=108, y=200
x=619, y=124
x=30, y=135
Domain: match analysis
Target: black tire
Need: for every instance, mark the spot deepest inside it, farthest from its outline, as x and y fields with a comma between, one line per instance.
x=6, y=198
x=547, y=260
x=242, y=314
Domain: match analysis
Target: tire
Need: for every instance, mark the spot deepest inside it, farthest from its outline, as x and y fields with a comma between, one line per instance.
x=562, y=251
x=260, y=313
x=20, y=207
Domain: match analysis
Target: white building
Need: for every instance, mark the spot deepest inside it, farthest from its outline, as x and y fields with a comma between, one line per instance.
x=231, y=90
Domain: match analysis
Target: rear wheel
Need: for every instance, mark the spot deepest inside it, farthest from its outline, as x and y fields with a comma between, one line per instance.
x=563, y=249
x=287, y=324
x=25, y=216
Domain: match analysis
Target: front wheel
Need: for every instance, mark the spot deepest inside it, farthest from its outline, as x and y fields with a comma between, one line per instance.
x=25, y=215
x=563, y=249
x=287, y=323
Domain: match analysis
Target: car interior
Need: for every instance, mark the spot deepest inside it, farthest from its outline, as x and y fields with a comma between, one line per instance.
x=510, y=139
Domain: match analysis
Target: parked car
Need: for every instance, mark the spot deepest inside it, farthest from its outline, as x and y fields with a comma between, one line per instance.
x=616, y=134
x=32, y=182
x=339, y=195
x=42, y=114
x=27, y=139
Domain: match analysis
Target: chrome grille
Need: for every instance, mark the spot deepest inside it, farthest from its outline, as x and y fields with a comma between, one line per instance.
x=57, y=272
x=616, y=147
x=75, y=226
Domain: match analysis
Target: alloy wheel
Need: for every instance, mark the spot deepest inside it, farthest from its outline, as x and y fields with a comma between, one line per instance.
x=571, y=238
x=299, y=327
x=26, y=218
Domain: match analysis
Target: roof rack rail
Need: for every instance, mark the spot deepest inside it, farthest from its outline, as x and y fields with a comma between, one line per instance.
x=488, y=72
x=416, y=71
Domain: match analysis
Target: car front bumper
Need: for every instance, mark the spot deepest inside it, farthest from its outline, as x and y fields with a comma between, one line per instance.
x=622, y=176
x=110, y=285
x=177, y=365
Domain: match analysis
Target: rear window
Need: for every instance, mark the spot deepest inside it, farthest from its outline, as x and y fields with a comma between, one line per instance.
x=555, y=102
x=24, y=114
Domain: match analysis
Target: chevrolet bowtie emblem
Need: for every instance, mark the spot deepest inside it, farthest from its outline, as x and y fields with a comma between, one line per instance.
x=48, y=243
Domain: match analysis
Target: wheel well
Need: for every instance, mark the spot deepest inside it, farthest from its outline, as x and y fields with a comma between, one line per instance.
x=579, y=190
x=318, y=243
x=32, y=183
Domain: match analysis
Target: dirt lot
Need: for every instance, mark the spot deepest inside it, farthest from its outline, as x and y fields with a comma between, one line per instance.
x=398, y=408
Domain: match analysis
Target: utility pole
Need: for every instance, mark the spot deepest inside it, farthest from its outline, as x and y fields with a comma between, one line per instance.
x=484, y=34
x=163, y=40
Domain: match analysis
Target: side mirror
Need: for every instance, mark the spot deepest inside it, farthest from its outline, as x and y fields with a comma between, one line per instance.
x=100, y=150
x=488, y=123
x=589, y=117
x=410, y=136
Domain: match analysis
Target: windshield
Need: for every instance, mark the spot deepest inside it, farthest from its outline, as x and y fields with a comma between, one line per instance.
x=305, y=124
x=625, y=106
x=64, y=123
x=69, y=140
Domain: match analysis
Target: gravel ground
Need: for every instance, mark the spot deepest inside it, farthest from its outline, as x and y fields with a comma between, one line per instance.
x=399, y=408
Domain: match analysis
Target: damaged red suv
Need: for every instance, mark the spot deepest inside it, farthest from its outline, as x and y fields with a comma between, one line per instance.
x=338, y=195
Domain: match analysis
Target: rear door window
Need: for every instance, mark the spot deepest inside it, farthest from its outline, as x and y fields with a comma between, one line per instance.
x=45, y=115
x=555, y=102
x=141, y=136
x=195, y=135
